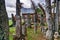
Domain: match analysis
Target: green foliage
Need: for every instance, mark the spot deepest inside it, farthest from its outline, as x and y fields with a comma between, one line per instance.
x=10, y=22
x=11, y=32
x=30, y=33
x=39, y=11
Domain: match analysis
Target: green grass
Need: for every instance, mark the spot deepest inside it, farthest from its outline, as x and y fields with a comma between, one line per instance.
x=30, y=33
x=11, y=32
x=10, y=22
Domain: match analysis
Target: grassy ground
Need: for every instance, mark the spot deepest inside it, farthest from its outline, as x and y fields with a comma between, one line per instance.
x=12, y=31
x=10, y=22
x=30, y=33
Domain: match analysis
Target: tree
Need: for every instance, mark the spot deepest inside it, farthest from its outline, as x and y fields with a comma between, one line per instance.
x=18, y=21
x=29, y=20
x=49, y=33
x=57, y=16
x=35, y=15
x=24, y=29
x=4, y=27
x=42, y=15
x=13, y=20
x=40, y=6
x=39, y=10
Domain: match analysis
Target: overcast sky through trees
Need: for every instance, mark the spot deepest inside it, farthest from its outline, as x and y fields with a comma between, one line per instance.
x=11, y=5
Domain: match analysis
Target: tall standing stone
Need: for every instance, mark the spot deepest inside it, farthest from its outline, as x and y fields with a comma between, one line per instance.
x=4, y=28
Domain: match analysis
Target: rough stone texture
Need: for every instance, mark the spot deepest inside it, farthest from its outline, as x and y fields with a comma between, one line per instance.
x=3, y=21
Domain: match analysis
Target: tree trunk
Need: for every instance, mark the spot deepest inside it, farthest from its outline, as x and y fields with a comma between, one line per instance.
x=18, y=20
x=56, y=16
x=42, y=22
x=24, y=30
x=13, y=20
x=4, y=27
x=35, y=17
x=35, y=24
x=29, y=21
x=59, y=17
x=49, y=20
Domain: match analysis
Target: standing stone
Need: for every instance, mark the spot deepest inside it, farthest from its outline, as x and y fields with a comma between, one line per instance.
x=4, y=28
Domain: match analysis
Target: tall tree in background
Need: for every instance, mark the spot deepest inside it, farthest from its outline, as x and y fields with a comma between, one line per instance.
x=35, y=15
x=42, y=17
x=4, y=28
x=18, y=20
x=49, y=33
x=29, y=20
x=13, y=20
x=58, y=2
x=57, y=16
